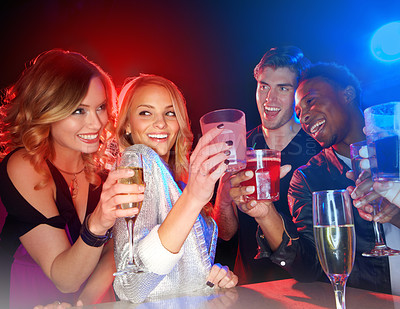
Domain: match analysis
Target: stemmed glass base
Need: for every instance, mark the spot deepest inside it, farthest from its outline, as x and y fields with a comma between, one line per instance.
x=380, y=249
x=131, y=267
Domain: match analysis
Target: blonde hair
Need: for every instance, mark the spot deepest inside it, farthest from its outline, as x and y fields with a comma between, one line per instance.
x=179, y=154
x=50, y=89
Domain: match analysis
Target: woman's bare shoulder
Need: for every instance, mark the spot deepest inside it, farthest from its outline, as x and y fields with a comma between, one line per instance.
x=25, y=178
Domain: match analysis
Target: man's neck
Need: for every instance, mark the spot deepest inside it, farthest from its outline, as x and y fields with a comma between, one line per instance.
x=279, y=138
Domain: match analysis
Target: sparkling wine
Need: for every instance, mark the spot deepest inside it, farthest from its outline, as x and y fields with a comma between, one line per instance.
x=137, y=178
x=336, y=248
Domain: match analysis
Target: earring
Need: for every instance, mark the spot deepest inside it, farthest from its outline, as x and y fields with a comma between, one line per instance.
x=128, y=137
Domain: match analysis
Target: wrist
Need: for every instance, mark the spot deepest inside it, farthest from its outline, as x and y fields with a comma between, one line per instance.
x=91, y=239
x=94, y=228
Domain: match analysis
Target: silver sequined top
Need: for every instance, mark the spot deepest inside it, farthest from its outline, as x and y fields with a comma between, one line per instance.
x=188, y=269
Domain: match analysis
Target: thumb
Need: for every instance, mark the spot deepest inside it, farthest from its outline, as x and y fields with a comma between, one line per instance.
x=284, y=170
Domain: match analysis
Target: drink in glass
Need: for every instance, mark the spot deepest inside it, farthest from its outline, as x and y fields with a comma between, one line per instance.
x=382, y=126
x=137, y=178
x=130, y=160
x=234, y=122
x=334, y=236
x=380, y=248
x=265, y=163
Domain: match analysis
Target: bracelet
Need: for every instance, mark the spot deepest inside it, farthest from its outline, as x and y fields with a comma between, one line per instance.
x=91, y=239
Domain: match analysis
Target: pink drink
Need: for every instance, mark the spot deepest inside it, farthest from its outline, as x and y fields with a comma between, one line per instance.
x=265, y=180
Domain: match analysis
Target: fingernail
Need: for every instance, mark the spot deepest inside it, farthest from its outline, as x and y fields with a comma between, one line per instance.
x=229, y=143
x=364, y=164
x=226, y=161
x=248, y=173
x=253, y=203
x=227, y=153
x=130, y=171
x=250, y=189
x=210, y=284
x=220, y=126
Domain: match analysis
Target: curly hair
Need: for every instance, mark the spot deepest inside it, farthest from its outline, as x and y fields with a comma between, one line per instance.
x=50, y=89
x=179, y=158
x=336, y=75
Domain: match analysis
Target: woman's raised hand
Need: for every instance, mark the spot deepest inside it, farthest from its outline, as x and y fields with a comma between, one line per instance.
x=207, y=163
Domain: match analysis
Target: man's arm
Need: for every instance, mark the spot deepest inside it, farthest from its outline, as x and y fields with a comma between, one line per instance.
x=225, y=212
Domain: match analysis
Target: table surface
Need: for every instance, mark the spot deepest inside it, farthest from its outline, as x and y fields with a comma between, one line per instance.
x=287, y=293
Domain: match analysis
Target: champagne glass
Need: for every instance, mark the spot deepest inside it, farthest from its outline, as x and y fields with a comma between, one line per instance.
x=380, y=248
x=130, y=160
x=335, y=238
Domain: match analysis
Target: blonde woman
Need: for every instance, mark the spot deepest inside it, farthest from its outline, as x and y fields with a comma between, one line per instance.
x=174, y=238
x=60, y=209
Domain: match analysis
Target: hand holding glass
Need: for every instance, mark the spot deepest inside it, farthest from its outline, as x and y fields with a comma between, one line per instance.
x=234, y=122
x=265, y=164
x=335, y=238
x=382, y=127
x=358, y=152
x=130, y=160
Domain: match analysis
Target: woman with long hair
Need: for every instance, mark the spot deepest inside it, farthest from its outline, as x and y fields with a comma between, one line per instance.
x=54, y=121
x=174, y=237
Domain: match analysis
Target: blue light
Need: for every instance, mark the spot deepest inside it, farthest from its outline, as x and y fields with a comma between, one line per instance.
x=385, y=43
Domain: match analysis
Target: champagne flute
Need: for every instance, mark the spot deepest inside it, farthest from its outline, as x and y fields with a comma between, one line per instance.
x=380, y=248
x=130, y=160
x=335, y=238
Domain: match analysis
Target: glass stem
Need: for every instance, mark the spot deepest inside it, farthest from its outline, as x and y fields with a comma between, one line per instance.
x=379, y=241
x=130, y=232
x=339, y=288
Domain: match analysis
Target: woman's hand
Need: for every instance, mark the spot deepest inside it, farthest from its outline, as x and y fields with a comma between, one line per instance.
x=58, y=305
x=222, y=277
x=207, y=163
x=54, y=305
x=114, y=194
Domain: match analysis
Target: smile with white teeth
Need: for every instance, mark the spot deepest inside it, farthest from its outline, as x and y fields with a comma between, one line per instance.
x=316, y=127
x=158, y=136
x=271, y=109
x=88, y=136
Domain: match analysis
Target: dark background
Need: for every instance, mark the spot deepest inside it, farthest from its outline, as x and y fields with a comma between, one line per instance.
x=208, y=48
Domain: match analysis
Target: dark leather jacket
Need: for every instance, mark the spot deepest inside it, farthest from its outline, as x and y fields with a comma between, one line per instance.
x=297, y=253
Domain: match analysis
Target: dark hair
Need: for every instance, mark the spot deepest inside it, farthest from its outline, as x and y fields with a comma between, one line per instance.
x=338, y=76
x=283, y=57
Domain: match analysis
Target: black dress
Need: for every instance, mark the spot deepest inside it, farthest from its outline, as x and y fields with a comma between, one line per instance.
x=29, y=286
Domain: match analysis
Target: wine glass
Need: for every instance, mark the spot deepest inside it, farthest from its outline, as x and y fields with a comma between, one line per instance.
x=130, y=160
x=380, y=248
x=335, y=238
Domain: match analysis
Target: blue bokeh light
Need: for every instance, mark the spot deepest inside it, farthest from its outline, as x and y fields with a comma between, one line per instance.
x=385, y=43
